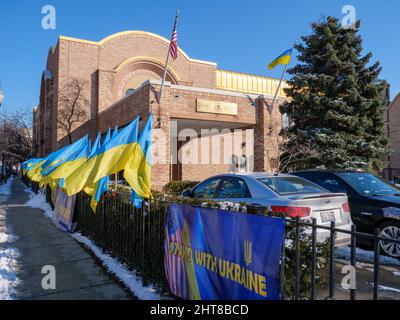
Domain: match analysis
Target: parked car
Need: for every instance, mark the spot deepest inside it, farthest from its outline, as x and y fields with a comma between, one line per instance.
x=283, y=194
x=374, y=203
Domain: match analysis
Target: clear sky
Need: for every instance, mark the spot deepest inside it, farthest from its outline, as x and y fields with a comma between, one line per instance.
x=240, y=35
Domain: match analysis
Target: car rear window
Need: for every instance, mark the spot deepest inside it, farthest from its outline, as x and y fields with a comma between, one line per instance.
x=291, y=185
x=368, y=184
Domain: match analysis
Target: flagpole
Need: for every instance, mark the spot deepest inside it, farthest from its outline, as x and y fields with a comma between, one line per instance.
x=167, y=61
x=279, y=86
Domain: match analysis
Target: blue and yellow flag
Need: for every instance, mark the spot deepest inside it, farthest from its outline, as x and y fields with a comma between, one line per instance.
x=111, y=158
x=138, y=170
x=101, y=186
x=54, y=159
x=28, y=165
x=284, y=59
x=55, y=175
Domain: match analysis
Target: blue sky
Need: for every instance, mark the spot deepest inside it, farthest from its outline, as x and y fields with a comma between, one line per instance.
x=238, y=35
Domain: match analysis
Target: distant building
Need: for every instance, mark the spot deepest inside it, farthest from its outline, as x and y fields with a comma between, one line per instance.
x=393, y=114
x=123, y=72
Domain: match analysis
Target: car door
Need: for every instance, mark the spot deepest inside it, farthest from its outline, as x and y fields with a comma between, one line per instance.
x=207, y=189
x=333, y=183
x=234, y=189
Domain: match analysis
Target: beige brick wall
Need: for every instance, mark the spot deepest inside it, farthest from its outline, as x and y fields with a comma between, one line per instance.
x=110, y=65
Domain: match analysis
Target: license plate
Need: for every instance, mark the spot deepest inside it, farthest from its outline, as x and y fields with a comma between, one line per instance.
x=328, y=216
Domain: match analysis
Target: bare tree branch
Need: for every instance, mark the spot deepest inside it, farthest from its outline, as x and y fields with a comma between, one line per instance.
x=73, y=106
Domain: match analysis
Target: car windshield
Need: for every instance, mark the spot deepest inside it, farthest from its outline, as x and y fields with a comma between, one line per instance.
x=368, y=184
x=291, y=185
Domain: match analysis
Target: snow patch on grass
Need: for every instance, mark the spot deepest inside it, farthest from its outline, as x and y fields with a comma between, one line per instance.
x=366, y=256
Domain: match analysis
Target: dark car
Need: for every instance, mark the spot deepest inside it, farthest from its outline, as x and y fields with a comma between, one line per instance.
x=374, y=203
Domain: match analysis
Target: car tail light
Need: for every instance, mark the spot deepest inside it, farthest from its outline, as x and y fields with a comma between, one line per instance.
x=292, y=212
x=346, y=207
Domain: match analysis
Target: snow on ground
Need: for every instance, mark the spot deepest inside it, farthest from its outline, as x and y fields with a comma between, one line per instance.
x=396, y=273
x=5, y=189
x=8, y=256
x=7, y=237
x=386, y=288
x=39, y=201
x=366, y=256
x=8, y=276
x=113, y=265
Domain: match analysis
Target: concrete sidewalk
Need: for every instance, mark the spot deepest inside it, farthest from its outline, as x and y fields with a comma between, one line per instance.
x=79, y=275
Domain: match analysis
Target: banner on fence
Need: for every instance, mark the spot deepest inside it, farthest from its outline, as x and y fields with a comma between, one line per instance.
x=63, y=212
x=215, y=254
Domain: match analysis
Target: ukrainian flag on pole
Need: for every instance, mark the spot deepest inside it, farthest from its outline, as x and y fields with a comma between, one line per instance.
x=100, y=186
x=28, y=165
x=111, y=158
x=57, y=175
x=138, y=170
x=53, y=160
x=284, y=59
x=66, y=163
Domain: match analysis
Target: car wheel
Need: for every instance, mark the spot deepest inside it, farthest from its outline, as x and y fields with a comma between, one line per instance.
x=390, y=230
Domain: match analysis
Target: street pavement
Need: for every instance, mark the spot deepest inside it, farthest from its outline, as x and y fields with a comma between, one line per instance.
x=79, y=275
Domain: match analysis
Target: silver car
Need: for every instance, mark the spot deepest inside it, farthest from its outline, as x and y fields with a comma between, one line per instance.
x=284, y=194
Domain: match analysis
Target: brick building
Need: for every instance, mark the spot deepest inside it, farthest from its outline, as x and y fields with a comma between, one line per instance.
x=393, y=121
x=123, y=75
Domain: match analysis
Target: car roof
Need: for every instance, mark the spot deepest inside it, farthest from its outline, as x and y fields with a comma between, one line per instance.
x=256, y=175
x=331, y=171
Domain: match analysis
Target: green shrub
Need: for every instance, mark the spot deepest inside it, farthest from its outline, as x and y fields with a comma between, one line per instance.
x=175, y=188
x=322, y=260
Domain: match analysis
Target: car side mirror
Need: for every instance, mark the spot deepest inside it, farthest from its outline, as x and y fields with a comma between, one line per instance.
x=187, y=193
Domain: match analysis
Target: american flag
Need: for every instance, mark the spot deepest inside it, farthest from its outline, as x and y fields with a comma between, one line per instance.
x=175, y=268
x=173, y=46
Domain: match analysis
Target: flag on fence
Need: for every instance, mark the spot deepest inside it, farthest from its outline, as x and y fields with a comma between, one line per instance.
x=138, y=170
x=55, y=159
x=28, y=165
x=66, y=162
x=102, y=185
x=57, y=176
x=111, y=158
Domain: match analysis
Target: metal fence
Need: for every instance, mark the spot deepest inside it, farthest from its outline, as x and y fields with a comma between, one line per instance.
x=136, y=236
x=333, y=230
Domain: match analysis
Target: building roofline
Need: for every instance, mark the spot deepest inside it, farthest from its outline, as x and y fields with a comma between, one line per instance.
x=133, y=32
x=394, y=99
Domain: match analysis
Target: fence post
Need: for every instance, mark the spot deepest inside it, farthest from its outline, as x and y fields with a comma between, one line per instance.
x=353, y=258
x=376, y=264
x=332, y=262
x=297, y=289
x=313, y=258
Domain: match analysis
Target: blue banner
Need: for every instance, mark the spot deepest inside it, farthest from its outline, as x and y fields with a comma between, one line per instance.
x=213, y=254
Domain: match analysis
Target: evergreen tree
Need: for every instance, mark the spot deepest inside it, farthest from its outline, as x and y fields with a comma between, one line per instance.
x=336, y=104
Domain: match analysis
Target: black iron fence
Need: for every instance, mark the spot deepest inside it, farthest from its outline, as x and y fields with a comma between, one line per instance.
x=136, y=236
